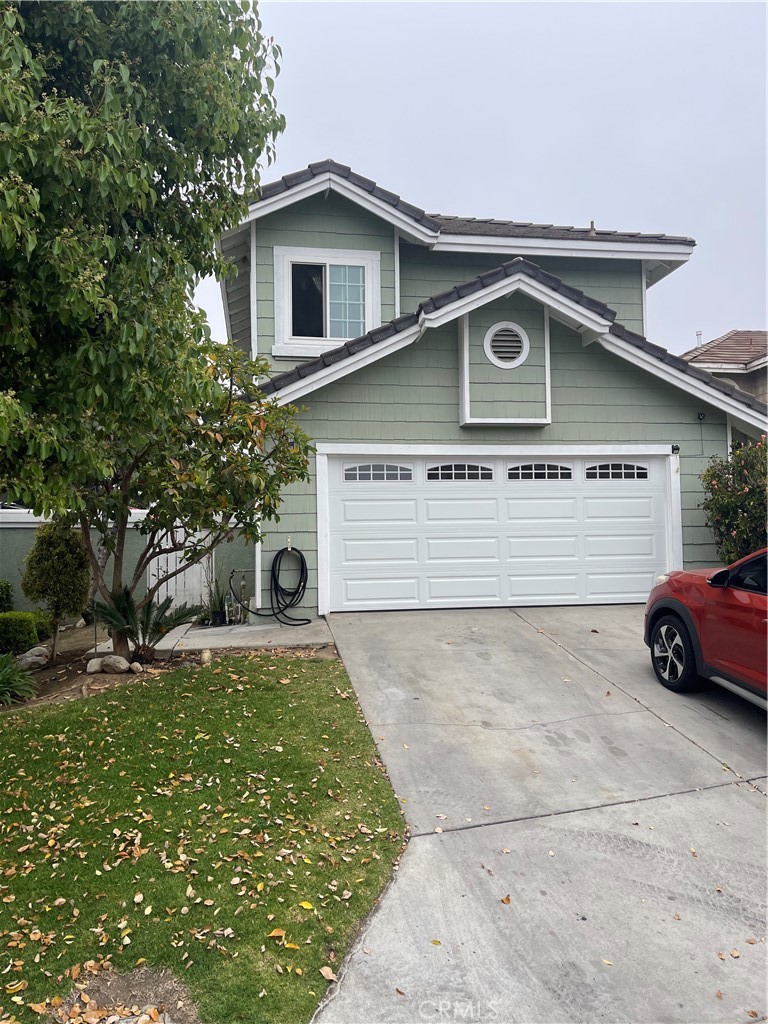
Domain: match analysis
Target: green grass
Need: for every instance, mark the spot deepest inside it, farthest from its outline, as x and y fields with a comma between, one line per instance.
x=178, y=822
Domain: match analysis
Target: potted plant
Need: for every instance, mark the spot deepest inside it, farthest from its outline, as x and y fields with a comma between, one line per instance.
x=216, y=607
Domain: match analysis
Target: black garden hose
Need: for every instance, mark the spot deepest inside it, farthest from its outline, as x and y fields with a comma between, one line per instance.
x=281, y=598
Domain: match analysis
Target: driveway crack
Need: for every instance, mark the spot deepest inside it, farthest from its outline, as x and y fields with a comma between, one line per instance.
x=579, y=810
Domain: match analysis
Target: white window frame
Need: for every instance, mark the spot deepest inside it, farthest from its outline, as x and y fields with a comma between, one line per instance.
x=284, y=256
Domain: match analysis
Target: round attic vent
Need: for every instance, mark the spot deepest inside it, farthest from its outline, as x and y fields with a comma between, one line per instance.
x=506, y=345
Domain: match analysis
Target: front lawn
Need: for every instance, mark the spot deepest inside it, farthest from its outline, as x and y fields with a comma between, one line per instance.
x=230, y=823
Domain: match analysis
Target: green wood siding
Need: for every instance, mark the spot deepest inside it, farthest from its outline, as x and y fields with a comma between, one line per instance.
x=597, y=398
x=329, y=222
x=498, y=393
x=618, y=283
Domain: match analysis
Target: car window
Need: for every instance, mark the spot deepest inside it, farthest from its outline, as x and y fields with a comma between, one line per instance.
x=751, y=575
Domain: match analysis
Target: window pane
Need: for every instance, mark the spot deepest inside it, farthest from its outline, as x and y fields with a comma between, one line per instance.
x=307, y=313
x=347, y=296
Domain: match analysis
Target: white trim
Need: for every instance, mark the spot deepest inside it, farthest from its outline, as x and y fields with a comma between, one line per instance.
x=284, y=255
x=675, y=251
x=682, y=380
x=354, y=448
x=253, y=296
x=323, y=535
x=729, y=367
x=674, y=514
x=331, y=182
x=20, y=517
x=396, y=235
x=644, y=301
x=465, y=414
x=506, y=325
x=728, y=435
x=257, y=575
x=673, y=506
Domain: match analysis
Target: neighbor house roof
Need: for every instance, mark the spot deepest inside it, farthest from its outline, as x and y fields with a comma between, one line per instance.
x=735, y=350
x=613, y=336
x=450, y=225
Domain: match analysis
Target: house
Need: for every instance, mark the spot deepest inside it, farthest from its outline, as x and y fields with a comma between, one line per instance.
x=491, y=426
x=740, y=357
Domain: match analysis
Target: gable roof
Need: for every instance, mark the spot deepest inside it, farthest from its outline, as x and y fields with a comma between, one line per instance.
x=570, y=304
x=736, y=351
x=441, y=232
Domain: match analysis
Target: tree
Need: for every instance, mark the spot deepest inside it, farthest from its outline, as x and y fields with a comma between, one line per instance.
x=130, y=135
x=735, y=500
x=56, y=574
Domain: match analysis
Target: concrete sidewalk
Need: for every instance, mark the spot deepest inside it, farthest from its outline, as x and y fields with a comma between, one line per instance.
x=586, y=846
x=186, y=639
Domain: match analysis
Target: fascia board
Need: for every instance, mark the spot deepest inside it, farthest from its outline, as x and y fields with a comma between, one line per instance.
x=681, y=380
x=721, y=367
x=563, y=247
x=353, y=448
x=534, y=289
x=331, y=373
x=324, y=182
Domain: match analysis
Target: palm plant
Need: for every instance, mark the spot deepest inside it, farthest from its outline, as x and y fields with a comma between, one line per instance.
x=144, y=627
x=15, y=683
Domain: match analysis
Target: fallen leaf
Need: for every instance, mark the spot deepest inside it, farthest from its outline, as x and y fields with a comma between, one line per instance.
x=751, y=941
x=721, y=956
x=677, y=917
x=735, y=954
x=718, y=994
x=138, y=898
x=608, y=962
x=436, y=942
x=277, y=933
x=37, y=1007
x=505, y=899
x=399, y=990
x=327, y=973
x=752, y=1013
x=505, y=850
x=306, y=904
x=693, y=852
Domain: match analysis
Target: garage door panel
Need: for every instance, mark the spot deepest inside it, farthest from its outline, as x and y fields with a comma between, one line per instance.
x=464, y=510
x=535, y=509
x=378, y=550
x=630, y=586
x=462, y=549
x=623, y=545
x=380, y=592
x=463, y=588
x=640, y=508
x=555, y=587
x=379, y=510
x=524, y=547
x=419, y=541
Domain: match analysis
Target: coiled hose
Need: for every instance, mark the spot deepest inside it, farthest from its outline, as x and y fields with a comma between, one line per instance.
x=281, y=598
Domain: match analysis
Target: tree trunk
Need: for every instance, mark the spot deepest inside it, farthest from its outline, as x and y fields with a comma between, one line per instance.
x=54, y=638
x=121, y=646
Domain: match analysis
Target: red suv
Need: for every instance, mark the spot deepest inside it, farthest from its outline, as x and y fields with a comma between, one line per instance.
x=705, y=622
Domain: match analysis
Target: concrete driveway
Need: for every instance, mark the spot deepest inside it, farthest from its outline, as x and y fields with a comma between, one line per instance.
x=584, y=845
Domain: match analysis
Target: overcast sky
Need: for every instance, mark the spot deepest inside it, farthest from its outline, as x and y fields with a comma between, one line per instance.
x=639, y=116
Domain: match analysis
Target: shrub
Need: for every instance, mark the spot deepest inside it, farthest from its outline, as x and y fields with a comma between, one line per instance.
x=15, y=683
x=735, y=500
x=144, y=627
x=43, y=624
x=6, y=596
x=56, y=573
x=17, y=632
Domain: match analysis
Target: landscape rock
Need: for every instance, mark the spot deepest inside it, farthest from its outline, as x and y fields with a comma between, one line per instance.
x=136, y=667
x=114, y=663
x=93, y=666
x=80, y=623
x=27, y=662
x=36, y=652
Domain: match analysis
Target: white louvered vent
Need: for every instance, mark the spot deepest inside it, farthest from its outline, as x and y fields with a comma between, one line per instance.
x=507, y=345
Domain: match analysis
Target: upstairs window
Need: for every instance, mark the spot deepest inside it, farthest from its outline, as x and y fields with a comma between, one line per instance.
x=324, y=297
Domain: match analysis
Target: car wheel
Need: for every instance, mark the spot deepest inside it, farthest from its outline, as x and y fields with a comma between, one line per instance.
x=672, y=655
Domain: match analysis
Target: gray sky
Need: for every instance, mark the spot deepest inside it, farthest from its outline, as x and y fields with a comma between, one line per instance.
x=639, y=116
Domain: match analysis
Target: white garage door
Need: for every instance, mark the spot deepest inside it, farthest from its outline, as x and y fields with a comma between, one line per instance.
x=456, y=532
